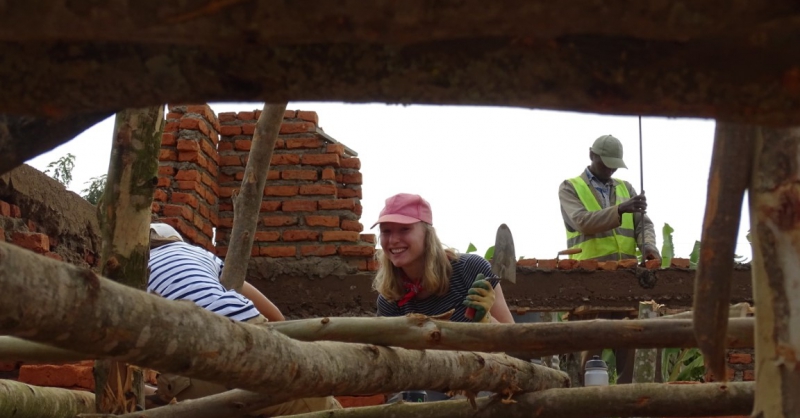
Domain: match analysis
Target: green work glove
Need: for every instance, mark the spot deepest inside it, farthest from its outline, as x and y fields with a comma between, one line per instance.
x=481, y=298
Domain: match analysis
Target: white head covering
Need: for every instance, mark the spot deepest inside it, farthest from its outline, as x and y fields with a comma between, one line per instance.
x=165, y=231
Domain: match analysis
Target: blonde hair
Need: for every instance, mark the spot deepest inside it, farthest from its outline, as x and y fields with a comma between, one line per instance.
x=436, y=274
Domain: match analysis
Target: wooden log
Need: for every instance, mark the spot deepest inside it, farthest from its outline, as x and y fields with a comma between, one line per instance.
x=20, y=400
x=195, y=22
x=124, y=213
x=645, y=360
x=247, y=204
x=644, y=399
x=774, y=201
x=536, y=339
x=24, y=137
x=77, y=310
x=230, y=404
x=525, y=341
x=17, y=349
x=575, y=73
x=727, y=181
x=738, y=310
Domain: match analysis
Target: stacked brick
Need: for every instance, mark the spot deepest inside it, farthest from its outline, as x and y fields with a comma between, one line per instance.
x=19, y=227
x=77, y=376
x=311, y=204
x=187, y=192
x=740, y=367
x=25, y=232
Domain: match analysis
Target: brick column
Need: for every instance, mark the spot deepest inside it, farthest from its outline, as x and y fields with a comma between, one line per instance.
x=311, y=205
x=186, y=197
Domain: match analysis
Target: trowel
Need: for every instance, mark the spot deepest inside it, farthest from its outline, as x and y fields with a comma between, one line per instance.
x=504, y=260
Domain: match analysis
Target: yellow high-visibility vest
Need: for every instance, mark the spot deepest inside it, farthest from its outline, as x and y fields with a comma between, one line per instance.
x=620, y=241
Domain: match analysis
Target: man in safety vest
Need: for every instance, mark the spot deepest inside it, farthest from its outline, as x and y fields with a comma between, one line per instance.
x=598, y=213
x=599, y=210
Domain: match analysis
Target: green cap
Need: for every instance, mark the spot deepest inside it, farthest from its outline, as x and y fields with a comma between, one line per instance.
x=610, y=151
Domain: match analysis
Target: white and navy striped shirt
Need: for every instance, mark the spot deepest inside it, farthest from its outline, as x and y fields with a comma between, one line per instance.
x=465, y=268
x=179, y=271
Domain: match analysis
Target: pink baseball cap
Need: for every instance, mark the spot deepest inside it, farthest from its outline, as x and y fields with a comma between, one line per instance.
x=404, y=208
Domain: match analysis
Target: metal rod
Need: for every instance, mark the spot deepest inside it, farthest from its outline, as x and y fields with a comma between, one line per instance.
x=641, y=159
x=638, y=226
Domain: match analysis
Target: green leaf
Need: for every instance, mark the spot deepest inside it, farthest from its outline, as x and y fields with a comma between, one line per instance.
x=93, y=193
x=669, y=357
x=611, y=361
x=693, y=370
x=694, y=257
x=676, y=369
x=62, y=169
x=471, y=248
x=489, y=253
x=667, y=248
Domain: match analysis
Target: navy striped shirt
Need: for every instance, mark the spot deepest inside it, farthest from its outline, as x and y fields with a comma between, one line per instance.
x=465, y=268
x=180, y=271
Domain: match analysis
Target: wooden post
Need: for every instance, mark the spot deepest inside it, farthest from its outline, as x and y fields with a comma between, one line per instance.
x=775, y=231
x=645, y=359
x=124, y=213
x=247, y=204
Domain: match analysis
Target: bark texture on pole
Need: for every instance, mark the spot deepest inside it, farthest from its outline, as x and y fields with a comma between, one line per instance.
x=25, y=137
x=233, y=403
x=644, y=362
x=775, y=231
x=538, y=339
x=727, y=181
x=247, y=204
x=77, y=310
x=574, y=72
x=195, y=22
x=20, y=400
x=739, y=310
x=124, y=216
x=17, y=349
x=646, y=399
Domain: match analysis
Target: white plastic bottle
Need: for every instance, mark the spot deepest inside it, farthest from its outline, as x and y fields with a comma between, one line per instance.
x=596, y=372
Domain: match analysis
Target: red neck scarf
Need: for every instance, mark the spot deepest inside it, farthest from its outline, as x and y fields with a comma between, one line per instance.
x=412, y=289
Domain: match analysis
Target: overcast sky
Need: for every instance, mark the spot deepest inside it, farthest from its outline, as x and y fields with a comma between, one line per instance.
x=483, y=166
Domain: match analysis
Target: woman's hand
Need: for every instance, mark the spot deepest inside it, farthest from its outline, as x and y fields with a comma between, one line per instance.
x=481, y=298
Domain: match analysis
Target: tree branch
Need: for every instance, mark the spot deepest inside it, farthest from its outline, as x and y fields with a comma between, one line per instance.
x=739, y=310
x=195, y=23
x=247, y=204
x=77, y=310
x=727, y=181
x=774, y=195
x=576, y=73
x=645, y=399
x=25, y=137
x=17, y=349
x=20, y=400
x=124, y=213
x=230, y=404
x=419, y=332
x=644, y=362
x=536, y=339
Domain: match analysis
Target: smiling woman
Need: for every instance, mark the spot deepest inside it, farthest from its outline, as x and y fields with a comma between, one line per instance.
x=418, y=275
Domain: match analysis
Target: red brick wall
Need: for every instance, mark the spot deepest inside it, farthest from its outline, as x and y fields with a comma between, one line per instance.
x=311, y=205
x=741, y=366
x=188, y=191
x=63, y=228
